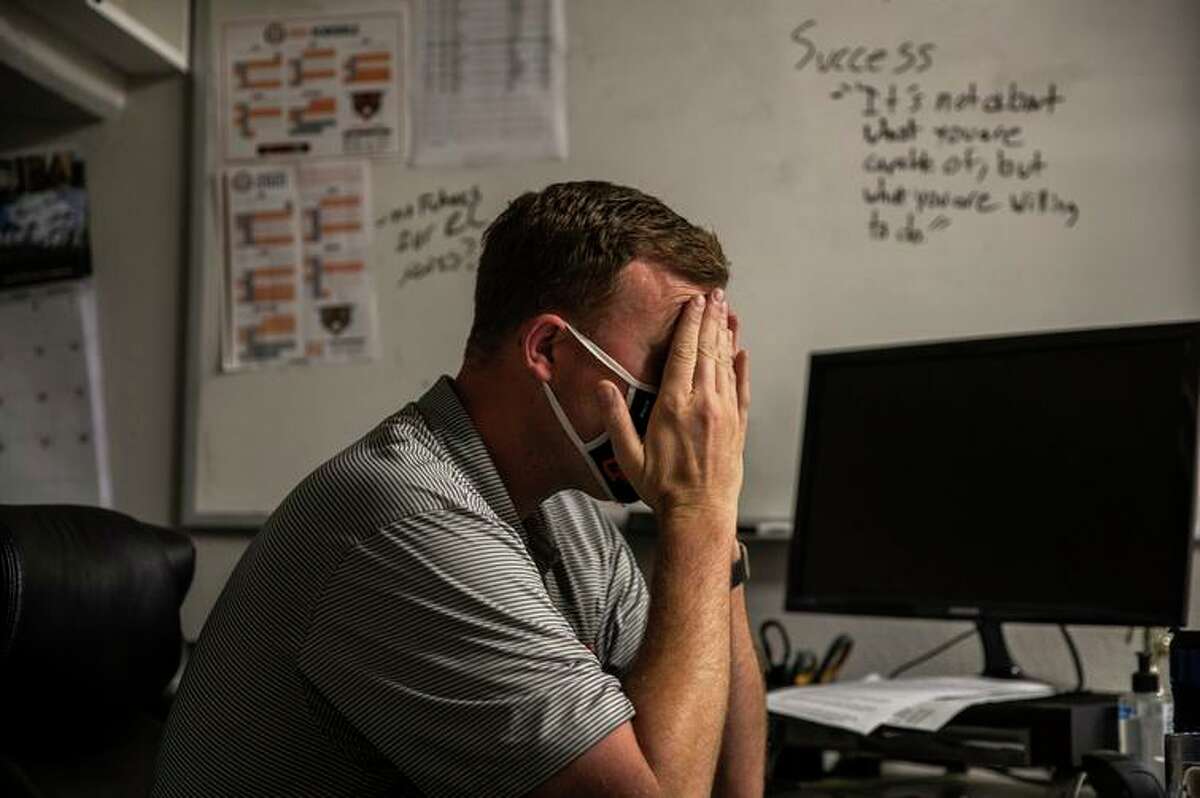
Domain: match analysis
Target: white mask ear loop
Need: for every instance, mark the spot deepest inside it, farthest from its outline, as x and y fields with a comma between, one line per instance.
x=561, y=415
x=607, y=360
x=573, y=436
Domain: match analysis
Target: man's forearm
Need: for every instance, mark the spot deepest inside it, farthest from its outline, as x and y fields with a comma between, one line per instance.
x=679, y=683
x=741, y=769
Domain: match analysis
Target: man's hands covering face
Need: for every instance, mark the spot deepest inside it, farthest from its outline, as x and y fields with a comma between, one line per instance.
x=691, y=460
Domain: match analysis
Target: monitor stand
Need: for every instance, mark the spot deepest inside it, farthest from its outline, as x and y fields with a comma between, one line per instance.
x=997, y=661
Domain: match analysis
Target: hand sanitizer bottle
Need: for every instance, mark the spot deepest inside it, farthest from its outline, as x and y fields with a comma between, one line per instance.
x=1143, y=718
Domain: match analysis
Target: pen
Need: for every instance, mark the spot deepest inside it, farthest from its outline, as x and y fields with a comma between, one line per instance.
x=835, y=658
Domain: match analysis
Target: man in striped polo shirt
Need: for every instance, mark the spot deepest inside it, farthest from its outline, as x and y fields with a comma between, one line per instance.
x=442, y=609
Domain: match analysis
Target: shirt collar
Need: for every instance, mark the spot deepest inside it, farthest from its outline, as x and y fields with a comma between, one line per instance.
x=452, y=425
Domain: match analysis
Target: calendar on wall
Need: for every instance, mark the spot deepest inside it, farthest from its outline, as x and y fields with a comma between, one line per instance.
x=53, y=444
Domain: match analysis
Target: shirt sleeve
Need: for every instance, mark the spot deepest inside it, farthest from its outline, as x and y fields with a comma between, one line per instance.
x=627, y=603
x=437, y=641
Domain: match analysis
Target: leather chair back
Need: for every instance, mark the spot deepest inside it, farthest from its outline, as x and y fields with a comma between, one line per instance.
x=89, y=634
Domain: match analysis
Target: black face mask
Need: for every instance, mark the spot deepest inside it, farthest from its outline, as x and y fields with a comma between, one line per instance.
x=598, y=452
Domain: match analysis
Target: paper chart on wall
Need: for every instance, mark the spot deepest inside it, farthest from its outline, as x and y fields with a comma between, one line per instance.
x=313, y=86
x=340, y=321
x=53, y=439
x=492, y=82
x=262, y=229
x=299, y=287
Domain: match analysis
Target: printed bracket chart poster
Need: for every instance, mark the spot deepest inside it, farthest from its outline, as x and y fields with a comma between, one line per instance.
x=262, y=230
x=340, y=321
x=313, y=86
x=53, y=438
x=492, y=86
x=43, y=219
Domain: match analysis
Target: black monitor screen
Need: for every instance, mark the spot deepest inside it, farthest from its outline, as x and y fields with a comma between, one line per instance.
x=1040, y=478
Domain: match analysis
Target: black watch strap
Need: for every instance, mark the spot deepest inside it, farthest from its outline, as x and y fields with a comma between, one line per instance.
x=741, y=568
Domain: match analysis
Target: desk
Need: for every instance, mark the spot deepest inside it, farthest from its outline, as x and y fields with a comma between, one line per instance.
x=903, y=780
x=1053, y=732
x=1049, y=733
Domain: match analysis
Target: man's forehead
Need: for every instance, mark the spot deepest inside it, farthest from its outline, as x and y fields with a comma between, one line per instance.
x=652, y=290
x=655, y=296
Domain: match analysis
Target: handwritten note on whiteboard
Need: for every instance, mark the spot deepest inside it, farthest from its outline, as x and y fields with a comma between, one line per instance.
x=492, y=82
x=938, y=152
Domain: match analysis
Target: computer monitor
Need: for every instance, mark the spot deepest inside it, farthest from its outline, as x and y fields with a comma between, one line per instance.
x=1043, y=478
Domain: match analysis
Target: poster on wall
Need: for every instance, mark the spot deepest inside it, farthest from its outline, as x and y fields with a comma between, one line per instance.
x=53, y=440
x=340, y=322
x=262, y=234
x=313, y=86
x=43, y=219
x=298, y=286
x=492, y=85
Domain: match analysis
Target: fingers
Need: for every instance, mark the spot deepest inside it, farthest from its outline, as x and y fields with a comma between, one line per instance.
x=710, y=344
x=726, y=378
x=626, y=444
x=741, y=366
x=735, y=329
x=681, y=365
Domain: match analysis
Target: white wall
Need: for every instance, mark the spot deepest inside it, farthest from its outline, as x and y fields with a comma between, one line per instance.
x=134, y=171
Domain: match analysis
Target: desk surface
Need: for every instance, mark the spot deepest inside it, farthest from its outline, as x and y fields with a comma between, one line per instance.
x=902, y=780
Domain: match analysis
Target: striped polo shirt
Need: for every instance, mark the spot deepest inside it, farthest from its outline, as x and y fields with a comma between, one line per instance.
x=396, y=629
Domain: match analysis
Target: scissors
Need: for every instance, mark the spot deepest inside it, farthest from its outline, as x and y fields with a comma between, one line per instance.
x=782, y=670
x=777, y=660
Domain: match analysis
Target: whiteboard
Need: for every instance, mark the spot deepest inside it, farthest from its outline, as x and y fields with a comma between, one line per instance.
x=749, y=119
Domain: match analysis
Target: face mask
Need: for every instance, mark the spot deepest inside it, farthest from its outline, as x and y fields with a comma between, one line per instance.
x=598, y=453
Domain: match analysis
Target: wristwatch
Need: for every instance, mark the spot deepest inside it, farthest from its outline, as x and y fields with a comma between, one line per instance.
x=741, y=567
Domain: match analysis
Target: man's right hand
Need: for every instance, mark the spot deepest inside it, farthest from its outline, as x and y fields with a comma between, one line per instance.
x=691, y=459
x=689, y=470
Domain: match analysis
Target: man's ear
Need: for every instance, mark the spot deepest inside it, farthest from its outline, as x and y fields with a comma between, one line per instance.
x=539, y=336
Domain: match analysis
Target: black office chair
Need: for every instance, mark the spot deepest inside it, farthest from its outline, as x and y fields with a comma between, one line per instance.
x=89, y=639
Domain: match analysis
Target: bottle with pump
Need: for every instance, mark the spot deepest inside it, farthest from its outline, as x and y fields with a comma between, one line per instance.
x=1143, y=718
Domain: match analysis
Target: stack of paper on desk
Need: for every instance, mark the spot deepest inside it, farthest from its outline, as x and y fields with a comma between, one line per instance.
x=922, y=704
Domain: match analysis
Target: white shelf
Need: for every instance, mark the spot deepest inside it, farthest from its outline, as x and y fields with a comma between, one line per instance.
x=132, y=46
x=40, y=55
x=86, y=51
x=123, y=39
